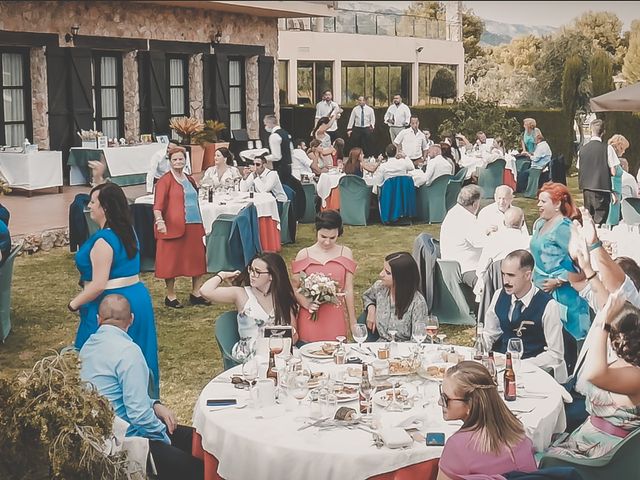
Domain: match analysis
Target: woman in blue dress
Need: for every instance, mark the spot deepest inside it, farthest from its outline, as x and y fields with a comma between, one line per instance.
x=109, y=262
x=550, y=249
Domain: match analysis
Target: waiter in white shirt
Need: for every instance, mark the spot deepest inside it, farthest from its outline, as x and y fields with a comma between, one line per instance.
x=361, y=125
x=326, y=108
x=262, y=180
x=412, y=142
x=397, y=116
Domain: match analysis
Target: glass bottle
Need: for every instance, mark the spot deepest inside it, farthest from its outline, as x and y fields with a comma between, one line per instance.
x=271, y=370
x=364, y=392
x=340, y=355
x=509, y=380
x=490, y=363
x=480, y=351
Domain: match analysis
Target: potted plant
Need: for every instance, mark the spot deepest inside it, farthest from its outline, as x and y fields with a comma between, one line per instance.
x=187, y=128
x=209, y=139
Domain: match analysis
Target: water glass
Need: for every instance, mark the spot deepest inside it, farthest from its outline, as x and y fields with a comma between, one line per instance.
x=419, y=332
x=266, y=393
x=516, y=349
x=330, y=405
x=360, y=334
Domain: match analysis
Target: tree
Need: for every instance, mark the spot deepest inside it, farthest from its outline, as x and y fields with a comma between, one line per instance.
x=432, y=10
x=472, y=28
x=631, y=66
x=571, y=79
x=521, y=54
x=602, y=27
x=601, y=68
x=443, y=85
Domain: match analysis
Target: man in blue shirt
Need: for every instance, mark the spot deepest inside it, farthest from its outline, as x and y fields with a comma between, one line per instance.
x=5, y=236
x=116, y=367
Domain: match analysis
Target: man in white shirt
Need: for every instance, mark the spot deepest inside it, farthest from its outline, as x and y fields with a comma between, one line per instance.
x=541, y=156
x=629, y=184
x=159, y=165
x=491, y=217
x=397, y=116
x=362, y=122
x=262, y=180
x=301, y=163
x=326, y=108
x=394, y=166
x=483, y=144
x=461, y=238
x=521, y=310
x=437, y=165
x=412, y=142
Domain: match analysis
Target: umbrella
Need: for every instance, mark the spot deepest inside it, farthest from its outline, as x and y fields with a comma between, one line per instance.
x=626, y=99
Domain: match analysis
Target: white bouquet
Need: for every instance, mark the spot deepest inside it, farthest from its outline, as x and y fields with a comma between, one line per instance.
x=319, y=288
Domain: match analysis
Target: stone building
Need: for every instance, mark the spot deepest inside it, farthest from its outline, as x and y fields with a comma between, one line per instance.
x=127, y=67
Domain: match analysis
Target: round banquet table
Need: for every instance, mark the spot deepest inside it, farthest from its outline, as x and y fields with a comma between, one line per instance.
x=266, y=444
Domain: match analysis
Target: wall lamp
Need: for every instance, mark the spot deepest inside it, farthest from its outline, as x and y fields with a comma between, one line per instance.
x=218, y=37
x=69, y=37
x=419, y=49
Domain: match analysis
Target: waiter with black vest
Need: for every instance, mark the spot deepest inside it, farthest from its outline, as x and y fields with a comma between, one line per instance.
x=594, y=175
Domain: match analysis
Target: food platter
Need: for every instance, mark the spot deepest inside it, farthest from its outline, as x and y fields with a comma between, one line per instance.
x=434, y=371
x=320, y=350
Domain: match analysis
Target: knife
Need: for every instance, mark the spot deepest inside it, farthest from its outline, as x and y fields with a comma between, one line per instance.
x=313, y=424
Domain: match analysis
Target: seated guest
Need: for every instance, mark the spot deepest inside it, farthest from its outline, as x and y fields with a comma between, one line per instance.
x=491, y=441
x=5, y=236
x=447, y=152
x=159, y=165
x=338, y=155
x=491, y=217
x=262, y=180
x=412, y=142
x=300, y=161
x=461, y=238
x=262, y=294
x=115, y=366
x=437, y=165
x=521, y=310
x=629, y=184
x=318, y=163
x=541, y=156
x=395, y=166
x=355, y=164
x=504, y=241
x=483, y=144
x=223, y=172
x=394, y=302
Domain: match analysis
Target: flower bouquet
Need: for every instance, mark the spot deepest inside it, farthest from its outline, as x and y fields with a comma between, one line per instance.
x=318, y=288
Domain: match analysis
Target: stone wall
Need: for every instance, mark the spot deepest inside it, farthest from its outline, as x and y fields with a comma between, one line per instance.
x=252, y=93
x=131, y=94
x=196, y=92
x=39, y=98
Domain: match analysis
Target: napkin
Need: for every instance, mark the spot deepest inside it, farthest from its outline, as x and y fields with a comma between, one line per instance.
x=394, y=437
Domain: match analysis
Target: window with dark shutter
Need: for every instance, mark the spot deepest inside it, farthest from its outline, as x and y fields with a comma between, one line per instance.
x=15, y=115
x=237, y=90
x=108, y=94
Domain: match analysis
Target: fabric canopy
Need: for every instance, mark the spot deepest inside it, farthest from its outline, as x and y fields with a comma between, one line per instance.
x=626, y=99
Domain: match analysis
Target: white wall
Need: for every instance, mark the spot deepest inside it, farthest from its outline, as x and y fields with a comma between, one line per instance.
x=339, y=47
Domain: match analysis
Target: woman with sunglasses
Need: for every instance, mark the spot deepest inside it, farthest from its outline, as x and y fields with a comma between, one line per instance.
x=262, y=294
x=492, y=440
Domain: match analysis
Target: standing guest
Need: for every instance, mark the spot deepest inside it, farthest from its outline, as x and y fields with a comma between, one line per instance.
x=317, y=154
x=361, y=125
x=355, y=164
x=109, y=263
x=262, y=294
x=620, y=145
x=223, y=172
x=397, y=116
x=301, y=163
x=326, y=108
x=521, y=310
x=159, y=166
x=528, y=141
x=491, y=217
x=338, y=148
x=595, y=159
x=396, y=165
x=319, y=133
x=437, y=165
x=461, y=237
x=262, y=180
x=550, y=249
x=412, y=142
x=541, y=155
x=629, y=184
x=394, y=302
x=179, y=231
x=5, y=236
x=327, y=257
x=491, y=441
x=115, y=366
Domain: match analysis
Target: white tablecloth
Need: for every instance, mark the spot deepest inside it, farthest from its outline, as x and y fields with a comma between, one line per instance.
x=129, y=160
x=481, y=160
x=625, y=240
x=31, y=171
x=329, y=181
x=231, y=204
x=272, y=448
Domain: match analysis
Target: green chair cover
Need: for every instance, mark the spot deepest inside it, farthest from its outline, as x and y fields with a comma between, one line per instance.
x=490, y=177
x=522, y=164
x=285, y=235
x=355, y=197
x=226, y=331
x=310, y=203
x=621, y=462
x=431, y=204
x=92, y=226
x=454, y=187
x=449, y=302
x=217, y=245
x=6, y=274
x=631, y=211
x=532, y=183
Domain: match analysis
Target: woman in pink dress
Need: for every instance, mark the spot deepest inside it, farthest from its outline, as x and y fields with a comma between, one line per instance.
x=327, y=257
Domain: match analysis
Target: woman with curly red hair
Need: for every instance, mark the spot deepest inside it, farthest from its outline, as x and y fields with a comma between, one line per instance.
x=550, y=249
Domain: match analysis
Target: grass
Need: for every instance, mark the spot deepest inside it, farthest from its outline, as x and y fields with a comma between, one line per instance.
x=44, y=283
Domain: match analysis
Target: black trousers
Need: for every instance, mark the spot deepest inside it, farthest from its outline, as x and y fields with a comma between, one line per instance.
x=598, y=205
x=362, y=137
x=175, y=462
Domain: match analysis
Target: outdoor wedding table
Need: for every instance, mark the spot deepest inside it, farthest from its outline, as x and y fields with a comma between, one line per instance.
x=481, y=160
x=32, y=170
x=622, y=241
x=268, y=444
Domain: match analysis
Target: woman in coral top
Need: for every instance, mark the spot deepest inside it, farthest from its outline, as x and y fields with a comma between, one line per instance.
x=327, y=257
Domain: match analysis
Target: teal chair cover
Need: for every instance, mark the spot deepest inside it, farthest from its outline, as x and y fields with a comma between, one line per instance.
x=454, y=187
x=431, y=204
x=522, y=163
x=217, y=245
x=226, y=331
x=621, y=462
x=355, y=197
x=532, y=183
x=449, y=302
x=285, y=234
x=310, y=203
x=92, y=226
x=631, y=211
x=491, y=177
x=6, y=274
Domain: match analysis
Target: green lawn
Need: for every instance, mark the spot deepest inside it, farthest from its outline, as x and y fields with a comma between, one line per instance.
x=44, y=283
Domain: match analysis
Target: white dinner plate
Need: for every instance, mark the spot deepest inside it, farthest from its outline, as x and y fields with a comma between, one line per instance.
x=422, y=371
x=314, y=350
x=380, y=398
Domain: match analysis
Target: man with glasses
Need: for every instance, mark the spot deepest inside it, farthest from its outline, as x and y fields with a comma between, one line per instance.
x=259, y=178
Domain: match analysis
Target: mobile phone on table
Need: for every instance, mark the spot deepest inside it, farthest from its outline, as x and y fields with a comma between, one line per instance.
x=435, y=439
x=221, y=402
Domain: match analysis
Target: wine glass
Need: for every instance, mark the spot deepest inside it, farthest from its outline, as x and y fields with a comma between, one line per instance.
x=516, y=349
x=360, y=334
x=442, y=337
x=419, y=332
x=276, y=342
x=432, y=326
x=367, y=390
x=250, y=371
x=298, y=385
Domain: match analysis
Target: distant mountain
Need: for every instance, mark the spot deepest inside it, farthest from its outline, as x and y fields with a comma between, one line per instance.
x=498, y=33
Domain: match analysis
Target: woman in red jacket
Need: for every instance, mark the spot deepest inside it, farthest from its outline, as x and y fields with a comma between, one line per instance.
x=180, y=250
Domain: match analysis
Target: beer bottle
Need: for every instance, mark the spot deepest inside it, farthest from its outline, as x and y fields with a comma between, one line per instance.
x=490, y=363
x=271, y=371
x=509, y=380
x=365, y=386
